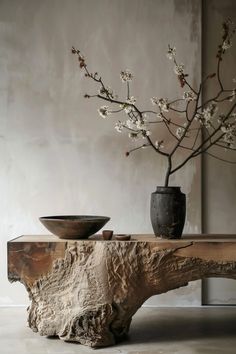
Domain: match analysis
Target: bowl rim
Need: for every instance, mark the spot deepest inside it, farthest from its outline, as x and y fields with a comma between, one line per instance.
x=74, y=218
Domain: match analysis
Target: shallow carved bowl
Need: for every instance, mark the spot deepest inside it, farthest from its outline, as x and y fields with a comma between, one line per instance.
x=74, y=226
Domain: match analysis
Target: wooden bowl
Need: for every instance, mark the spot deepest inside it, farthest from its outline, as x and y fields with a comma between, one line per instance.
x=74, y=226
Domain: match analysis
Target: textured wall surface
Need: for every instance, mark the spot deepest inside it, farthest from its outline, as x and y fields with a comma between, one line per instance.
x=219, y=185
x=57, y=155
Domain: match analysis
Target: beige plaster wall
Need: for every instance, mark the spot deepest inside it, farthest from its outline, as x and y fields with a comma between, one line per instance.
x=57, y=156
x=219, y=181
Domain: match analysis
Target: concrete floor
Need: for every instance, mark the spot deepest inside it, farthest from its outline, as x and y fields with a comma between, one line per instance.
x=153, y=331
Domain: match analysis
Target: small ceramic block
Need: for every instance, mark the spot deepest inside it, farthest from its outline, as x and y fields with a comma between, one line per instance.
x=107, y=234
x=123, y=237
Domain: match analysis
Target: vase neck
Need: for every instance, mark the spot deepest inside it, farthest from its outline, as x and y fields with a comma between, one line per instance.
x=168, y=189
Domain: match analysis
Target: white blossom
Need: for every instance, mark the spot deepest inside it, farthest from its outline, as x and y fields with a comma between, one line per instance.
x=171, y=52
x=104, y=111
x=227, y=44
x=146, y=133
x=126, y=75
x=128, y=108
x=131, y=100
x=130, y=123
x=141, y=124
x=232, y=95
x=128, y=105
x=229, y=128
x=179, y=132
x=229, y=131
x=205, y=117
x=154, y=100
x=159, y=144
x=198, y=116
x=223, y=129
x=210, y=111
x=163, y=104
x=179, y=69
x=189, y=96
x=119, y=127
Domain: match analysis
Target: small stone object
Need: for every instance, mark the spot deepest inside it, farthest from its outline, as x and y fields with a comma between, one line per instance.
x=123, y=237
x=107, y=234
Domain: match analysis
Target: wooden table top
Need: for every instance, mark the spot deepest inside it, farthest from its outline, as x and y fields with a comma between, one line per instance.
x=34, y=254
x=134, y=238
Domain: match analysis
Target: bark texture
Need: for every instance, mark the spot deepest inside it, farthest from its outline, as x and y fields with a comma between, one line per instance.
x=88, y=291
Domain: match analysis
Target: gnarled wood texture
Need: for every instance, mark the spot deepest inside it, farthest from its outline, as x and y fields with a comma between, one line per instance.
x=88, y=291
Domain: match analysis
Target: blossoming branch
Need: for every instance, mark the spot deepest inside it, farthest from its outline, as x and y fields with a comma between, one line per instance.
x=194, y=116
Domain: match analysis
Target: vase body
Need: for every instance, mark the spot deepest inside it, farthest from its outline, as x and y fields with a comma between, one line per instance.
x=168, y=210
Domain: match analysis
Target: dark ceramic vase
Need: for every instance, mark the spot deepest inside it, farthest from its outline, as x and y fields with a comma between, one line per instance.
x=168, y=210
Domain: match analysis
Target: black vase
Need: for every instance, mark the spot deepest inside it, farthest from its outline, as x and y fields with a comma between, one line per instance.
x=168, y=210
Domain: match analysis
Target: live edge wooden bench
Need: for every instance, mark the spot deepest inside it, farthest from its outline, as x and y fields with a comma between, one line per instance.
x=87, y=291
